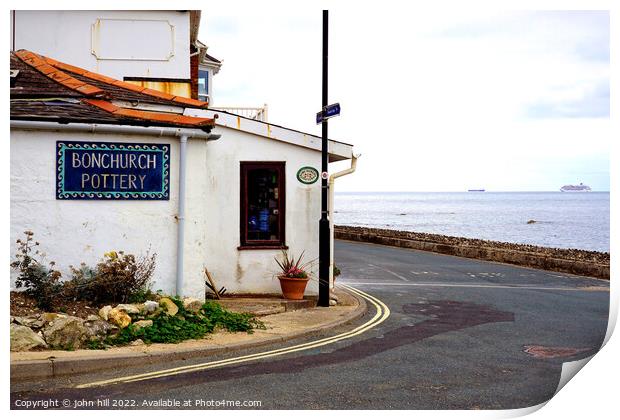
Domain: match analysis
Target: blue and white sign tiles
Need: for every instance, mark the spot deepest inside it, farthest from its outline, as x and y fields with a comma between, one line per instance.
x=112, y=171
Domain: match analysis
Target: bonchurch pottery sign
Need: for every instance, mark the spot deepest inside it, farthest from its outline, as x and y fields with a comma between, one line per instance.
x=112, y=171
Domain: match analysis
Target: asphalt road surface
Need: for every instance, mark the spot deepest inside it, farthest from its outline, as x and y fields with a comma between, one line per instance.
x=462, y=334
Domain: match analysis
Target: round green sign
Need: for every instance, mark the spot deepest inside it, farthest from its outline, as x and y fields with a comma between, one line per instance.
x=307, y=175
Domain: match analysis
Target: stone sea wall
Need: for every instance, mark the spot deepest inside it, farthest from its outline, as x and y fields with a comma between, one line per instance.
x=573, y=261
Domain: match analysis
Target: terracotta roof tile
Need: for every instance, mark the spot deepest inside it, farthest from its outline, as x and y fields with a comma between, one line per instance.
x=57, y=75
x=89, y=90
x=96, y=76
x=158, y=94
x=61, y=77
x=151, y=116
x=126, y=85
x=189, y=101
x=102, y=104
x=45, y=68
x=32, y=84
x=75, y=80
x=49, y=66
x=129, y=86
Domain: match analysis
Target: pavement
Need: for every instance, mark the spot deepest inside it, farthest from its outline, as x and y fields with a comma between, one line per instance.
x=461, y=334
x=284, y=320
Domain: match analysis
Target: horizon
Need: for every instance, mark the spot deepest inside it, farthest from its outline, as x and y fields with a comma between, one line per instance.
x=465, y=191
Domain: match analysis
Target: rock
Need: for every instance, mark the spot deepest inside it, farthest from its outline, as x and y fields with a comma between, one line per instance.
x=192, y=304
x=137, y=342
x=31, y=321
x=119, y=317
x=48, y=317
x=66, y=333
x=128, y=308
x=169, y=306
x=531, y=221
x=37, y=323
x=150, y=306
x=332, y=302
x=104, y=312
x=143, y=323
x=93, y=318
x=23, y=339
x=99, y=328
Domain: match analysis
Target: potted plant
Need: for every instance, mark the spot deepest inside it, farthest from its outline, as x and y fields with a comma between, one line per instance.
x=293, y=276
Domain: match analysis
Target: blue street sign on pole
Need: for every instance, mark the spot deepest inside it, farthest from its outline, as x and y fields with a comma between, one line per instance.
x=329, y=111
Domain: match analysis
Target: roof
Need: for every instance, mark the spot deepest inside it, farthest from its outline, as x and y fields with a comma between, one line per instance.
x=213, y=59
x=49, y=90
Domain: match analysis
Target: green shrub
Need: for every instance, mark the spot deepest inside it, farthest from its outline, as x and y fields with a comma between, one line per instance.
x=231, y=321
x=143, y=295
x=186, y=325
x=40, y=282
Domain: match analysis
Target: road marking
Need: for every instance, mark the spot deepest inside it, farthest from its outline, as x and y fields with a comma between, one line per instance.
x=382, y=313
x=485, y=286
x=389, y=271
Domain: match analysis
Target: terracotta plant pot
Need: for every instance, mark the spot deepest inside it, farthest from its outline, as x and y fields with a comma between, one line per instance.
x=293, y=288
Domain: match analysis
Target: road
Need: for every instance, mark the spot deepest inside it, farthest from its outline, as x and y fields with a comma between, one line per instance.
x=456, y=338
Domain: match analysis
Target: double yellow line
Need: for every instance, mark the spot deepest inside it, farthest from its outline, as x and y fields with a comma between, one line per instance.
x=382, y=313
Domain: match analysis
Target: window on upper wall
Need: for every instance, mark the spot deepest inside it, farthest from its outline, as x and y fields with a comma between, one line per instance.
x=262, y=205
x=203, y=85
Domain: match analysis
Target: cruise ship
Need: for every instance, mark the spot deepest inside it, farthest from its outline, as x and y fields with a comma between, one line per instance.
x=576, y=188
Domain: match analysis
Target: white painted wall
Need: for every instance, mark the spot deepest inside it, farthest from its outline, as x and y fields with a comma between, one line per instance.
x=128, y=43
x=254, y=270
x=75, y=231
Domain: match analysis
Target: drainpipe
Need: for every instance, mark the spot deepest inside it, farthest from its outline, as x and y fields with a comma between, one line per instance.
x=181, y=214
x=332, y=178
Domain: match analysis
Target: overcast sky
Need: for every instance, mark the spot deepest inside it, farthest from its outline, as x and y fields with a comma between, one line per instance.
x=511, y=101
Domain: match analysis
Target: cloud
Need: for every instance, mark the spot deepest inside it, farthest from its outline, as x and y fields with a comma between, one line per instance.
x=591, y=103
x=434, y=100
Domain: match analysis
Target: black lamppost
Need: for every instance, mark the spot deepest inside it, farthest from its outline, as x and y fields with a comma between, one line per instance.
x=324, y=231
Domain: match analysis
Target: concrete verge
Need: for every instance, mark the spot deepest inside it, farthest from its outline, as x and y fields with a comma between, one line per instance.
x=583, y=263
x=281, y=328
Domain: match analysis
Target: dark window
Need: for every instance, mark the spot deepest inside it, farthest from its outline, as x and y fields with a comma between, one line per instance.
x=262, y=205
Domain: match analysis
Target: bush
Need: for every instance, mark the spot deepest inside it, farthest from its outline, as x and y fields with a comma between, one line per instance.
x=186, y=325
x=231, y=321
x=41, y=282
x=118, y=278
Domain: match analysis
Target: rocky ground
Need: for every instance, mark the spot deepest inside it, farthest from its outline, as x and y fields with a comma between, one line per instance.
x=570, y=254
x=80, y=325
x=24, y=305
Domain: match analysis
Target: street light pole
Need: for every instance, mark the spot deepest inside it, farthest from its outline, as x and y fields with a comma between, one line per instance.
x=324, y=232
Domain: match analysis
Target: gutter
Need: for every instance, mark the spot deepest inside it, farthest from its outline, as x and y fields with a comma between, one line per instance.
x=184, y=135
x=115, y=129
x=331, y=181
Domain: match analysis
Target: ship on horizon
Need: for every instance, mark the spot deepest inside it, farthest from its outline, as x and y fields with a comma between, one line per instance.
x=476, y=190
x=576, y=188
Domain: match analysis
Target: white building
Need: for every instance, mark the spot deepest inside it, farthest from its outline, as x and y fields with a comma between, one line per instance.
x=228, y=205
x=158, y=49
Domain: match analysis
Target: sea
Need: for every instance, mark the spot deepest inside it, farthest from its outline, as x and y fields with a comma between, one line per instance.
x=557, y=219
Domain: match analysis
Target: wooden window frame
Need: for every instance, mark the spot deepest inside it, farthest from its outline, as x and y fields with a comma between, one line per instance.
x=244, y=167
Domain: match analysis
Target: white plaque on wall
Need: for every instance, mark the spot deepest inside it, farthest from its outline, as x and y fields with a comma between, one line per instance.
x=131, y=39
